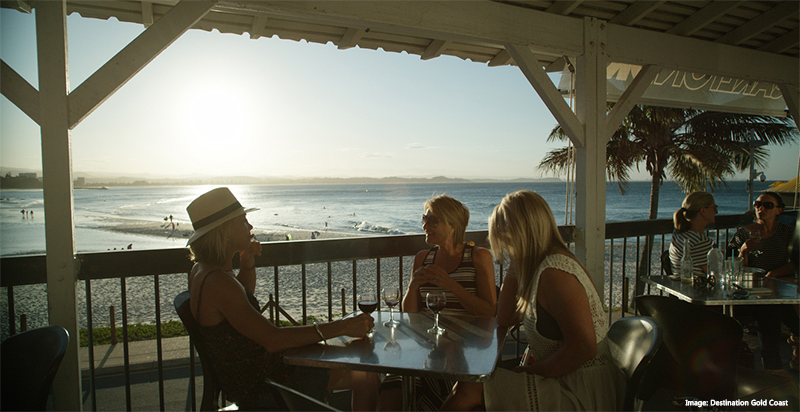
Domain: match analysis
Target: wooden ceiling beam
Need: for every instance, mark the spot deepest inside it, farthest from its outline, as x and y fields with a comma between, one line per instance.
x=635, y=12
x=703, y=17
x=782, y=11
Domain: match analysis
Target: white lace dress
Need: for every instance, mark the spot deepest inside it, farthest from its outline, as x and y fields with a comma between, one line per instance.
x=597, y=385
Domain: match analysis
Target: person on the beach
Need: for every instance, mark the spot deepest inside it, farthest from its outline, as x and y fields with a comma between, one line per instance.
x=246, y=347
x=697, y=211
x=547, y=288
x=466, y=274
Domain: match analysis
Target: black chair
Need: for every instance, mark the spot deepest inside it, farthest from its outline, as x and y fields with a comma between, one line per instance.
x=666, y=263
x=29, y=362
x=297, y=401
x=701, y=347
x=211, y=389
x=633, y=342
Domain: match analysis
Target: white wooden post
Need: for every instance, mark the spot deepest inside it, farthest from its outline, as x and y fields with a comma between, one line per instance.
x=51, y=38
x=590, y=202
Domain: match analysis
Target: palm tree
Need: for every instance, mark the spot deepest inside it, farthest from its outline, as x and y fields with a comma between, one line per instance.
x=697, y=149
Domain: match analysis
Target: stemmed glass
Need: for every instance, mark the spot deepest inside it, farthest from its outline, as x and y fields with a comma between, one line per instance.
x=391, y=297
x=367, y=303
x=436, y=302
x=756, y=234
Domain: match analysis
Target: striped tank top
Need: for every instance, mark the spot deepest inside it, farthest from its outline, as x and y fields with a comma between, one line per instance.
x=464, y=275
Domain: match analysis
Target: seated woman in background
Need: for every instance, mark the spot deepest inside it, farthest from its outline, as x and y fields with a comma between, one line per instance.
x=549, y=290
x=765, y=245
x=697, y=212
x=245, y=348
x=466, y=274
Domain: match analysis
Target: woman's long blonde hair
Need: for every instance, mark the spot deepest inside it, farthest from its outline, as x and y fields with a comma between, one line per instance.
x=523, y=230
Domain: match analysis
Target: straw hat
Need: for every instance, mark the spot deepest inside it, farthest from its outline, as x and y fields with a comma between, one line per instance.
x=212, y=209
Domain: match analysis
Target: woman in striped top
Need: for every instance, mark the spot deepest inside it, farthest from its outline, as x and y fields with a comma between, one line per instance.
x=466, y=274
x=697, y=212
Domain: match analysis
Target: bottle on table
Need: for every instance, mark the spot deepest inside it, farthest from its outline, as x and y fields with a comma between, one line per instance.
x=687, y=267
x=716, y=263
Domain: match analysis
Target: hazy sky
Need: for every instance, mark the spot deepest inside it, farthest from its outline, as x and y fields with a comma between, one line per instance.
x=221, y=104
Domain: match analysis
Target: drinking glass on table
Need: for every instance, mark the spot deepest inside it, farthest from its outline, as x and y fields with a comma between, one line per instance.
x=367, y=303
x=436, y=302
x=391, y=297
x=756, y=234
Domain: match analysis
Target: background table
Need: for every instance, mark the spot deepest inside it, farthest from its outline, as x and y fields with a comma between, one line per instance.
x=468, y=351
x=771, y=291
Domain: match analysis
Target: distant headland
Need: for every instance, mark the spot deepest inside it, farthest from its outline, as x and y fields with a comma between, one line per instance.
x=30, y=180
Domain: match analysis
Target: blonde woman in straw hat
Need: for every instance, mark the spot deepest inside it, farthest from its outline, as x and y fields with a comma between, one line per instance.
x=244, y=346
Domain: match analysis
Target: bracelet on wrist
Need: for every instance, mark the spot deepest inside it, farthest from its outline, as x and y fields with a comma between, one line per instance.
x=319, y=332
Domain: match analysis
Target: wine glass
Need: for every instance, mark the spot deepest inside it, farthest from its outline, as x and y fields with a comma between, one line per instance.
x=391, y=297
x=436, y=302
x=756, y=234
x=367, y=303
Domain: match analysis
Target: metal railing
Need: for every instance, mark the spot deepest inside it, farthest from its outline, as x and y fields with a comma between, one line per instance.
x=337, y=265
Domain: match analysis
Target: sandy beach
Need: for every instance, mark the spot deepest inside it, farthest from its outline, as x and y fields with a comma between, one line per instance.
x=180, y=229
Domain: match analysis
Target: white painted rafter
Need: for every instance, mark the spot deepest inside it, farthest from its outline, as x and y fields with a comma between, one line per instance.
x=18, y=91
x=548, y=92
x=135, y=56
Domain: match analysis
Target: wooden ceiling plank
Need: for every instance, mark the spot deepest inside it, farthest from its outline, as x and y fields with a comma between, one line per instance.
x=783, y=43
x=147, y=13
x=703, y=17
x=351, y=38
x=257, y=28
x=435, y=49
x=500, y=59
x=635, y=12
x=563, y=8
x=755, y=26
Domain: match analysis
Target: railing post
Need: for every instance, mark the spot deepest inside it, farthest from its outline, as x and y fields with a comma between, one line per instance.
x=23, y=322
x=344, y=303
x=113, y=324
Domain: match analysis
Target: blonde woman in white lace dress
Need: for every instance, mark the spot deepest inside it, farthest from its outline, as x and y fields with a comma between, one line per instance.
x=548, y=289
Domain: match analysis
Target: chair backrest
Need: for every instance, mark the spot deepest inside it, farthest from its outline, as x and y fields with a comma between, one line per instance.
x=211, y=389
x=666, y=263
x=633, y=342
x=703, y=345
x=29, y=362
x=297, y=401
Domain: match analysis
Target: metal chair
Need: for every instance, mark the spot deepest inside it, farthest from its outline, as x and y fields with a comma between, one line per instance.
x=211, y=389
x=666, y=263
x=297, y=401
x=701, y=345
x=30, y=361
x=634, y=342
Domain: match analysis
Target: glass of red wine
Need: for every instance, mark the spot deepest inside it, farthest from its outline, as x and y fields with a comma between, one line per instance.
x=391, y=297
x=436, y=302
x=367, y=303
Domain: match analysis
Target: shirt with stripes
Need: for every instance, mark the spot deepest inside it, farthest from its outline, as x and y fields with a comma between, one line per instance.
x=773, y=250
x=699, y=245
x=464, y=275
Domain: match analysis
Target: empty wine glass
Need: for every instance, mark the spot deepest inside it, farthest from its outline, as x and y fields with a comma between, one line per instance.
x=367, y=303
x=391, y=297
x=436, y=302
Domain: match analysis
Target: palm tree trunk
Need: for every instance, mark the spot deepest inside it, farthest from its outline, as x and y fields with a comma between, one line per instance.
x=647, y=249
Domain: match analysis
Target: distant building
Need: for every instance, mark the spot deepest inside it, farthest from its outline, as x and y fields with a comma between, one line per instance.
x=28, y=175
x=81, y=181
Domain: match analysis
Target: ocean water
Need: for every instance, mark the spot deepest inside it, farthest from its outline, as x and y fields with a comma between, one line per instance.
x=352, y=209
x=365, y=209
